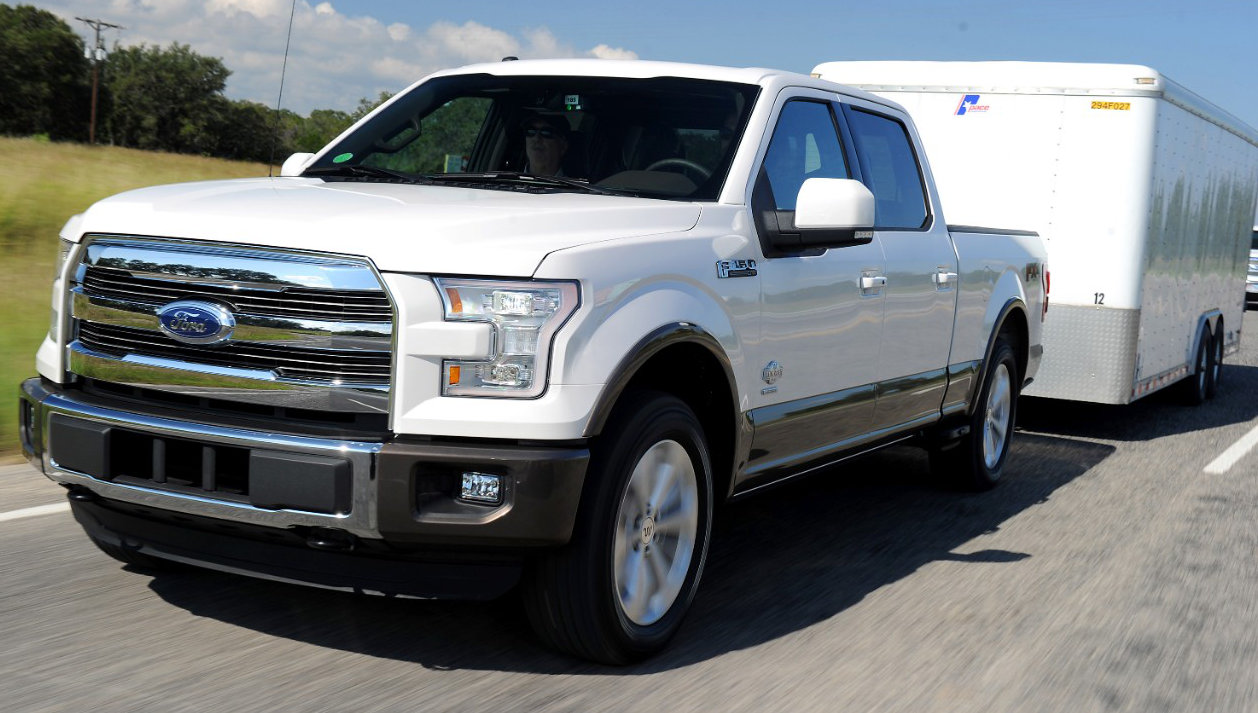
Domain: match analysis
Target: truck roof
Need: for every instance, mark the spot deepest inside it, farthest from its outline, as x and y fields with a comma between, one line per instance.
x=1070, y=78
x=635, y=68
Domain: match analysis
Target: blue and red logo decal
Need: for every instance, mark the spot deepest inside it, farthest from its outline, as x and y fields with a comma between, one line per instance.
x=970, y=104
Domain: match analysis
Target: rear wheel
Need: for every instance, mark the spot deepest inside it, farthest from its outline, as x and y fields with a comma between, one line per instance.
x=1216, y=360
x=1196, y=389
x=620, y=589
x=976, y=460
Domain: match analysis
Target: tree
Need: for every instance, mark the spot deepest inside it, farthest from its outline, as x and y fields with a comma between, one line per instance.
x=165, y=99
x=44, y=85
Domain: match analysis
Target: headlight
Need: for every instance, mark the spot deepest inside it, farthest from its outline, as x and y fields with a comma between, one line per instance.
x=524, y=316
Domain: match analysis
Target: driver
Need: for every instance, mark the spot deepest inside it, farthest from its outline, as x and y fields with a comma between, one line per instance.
x=545, y=143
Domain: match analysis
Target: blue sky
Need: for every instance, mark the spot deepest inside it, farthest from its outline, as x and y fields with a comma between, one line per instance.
x=344, y=50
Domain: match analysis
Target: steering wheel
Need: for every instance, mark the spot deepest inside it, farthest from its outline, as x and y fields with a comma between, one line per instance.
x=684, y=164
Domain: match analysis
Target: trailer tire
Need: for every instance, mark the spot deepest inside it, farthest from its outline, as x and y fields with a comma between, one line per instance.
x=1194, y=390
x=1216, y=360
x=976, y=461
x=619, y=590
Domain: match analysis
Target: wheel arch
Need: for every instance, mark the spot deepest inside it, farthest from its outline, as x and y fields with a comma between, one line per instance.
x=1012, y=320
x=686, y=361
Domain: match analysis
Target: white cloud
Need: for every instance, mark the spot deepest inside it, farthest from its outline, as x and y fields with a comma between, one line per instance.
x=605, y=52
x=399, y=32
x=334, y=59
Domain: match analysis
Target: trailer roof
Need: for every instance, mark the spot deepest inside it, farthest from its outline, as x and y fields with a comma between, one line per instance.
x=1072, y=78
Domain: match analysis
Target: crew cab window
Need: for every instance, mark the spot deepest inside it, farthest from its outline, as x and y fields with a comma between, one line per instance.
x=805, y=145
x=891, y=170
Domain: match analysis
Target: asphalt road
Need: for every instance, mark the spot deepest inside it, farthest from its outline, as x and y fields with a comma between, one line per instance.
x=1111, y=571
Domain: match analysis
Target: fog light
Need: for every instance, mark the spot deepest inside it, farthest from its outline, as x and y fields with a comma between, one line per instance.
x=482, y=488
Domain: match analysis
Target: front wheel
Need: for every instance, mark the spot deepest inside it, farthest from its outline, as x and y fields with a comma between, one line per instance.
x=976, y=460
x=620, y=589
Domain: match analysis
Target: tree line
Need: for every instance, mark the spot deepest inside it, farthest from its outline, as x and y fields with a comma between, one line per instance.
x=154, y=98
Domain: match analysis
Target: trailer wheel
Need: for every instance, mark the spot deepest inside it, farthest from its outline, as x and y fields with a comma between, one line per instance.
x=619, y=590
x=977, y=460
x=1216, y=360
x=1196, y=389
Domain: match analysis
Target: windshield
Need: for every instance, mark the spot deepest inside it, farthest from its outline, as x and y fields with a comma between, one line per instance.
x=664, y=137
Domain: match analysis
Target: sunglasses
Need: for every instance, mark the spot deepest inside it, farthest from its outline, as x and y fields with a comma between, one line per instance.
x=546, y=132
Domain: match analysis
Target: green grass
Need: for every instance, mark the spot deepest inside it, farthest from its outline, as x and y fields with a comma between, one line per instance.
x=44, y=184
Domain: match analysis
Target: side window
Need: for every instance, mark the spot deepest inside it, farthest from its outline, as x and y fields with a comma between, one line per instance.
x=891, y=170
x=805, y=145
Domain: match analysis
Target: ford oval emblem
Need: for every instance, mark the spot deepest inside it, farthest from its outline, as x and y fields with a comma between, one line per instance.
x=196, y=322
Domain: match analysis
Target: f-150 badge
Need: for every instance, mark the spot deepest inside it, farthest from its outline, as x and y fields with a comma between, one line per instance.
x=735, y=268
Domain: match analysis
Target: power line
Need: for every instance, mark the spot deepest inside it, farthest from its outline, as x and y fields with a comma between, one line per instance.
x=97, y=54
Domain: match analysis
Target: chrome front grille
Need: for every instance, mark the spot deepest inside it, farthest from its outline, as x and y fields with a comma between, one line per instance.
x=311, y=331
x=291, y=303
x=351, y=367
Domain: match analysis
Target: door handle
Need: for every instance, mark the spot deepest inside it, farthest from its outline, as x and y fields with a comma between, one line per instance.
x=873, y=282
x=943, y=278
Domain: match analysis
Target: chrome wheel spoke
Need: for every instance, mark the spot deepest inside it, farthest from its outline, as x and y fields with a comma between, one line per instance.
x=656, y=529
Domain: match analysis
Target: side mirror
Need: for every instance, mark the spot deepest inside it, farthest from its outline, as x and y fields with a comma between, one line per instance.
x=829, y=213
x=295, y=164
x=834, y=204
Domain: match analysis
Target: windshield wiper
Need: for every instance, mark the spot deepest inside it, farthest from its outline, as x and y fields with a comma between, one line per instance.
x=366, y=172
x=517, y=178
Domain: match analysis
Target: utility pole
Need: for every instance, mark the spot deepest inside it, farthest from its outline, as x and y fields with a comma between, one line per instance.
x=96, y=53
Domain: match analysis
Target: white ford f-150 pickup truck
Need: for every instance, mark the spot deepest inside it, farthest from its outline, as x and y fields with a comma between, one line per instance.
x=527, y=323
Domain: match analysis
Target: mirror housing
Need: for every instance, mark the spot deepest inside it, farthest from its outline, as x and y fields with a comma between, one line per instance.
x=834, y=204
x=295, y=164
x=829, y=213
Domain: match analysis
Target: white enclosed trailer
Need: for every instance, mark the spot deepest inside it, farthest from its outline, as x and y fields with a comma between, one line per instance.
x=1144, y=191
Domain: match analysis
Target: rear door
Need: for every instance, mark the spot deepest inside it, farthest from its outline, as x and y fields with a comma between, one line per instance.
x=921, y=268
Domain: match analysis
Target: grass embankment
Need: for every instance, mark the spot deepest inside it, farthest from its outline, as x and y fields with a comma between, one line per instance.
x=44, y=184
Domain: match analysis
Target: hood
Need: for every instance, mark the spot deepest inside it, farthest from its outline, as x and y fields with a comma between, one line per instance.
x=401, y=228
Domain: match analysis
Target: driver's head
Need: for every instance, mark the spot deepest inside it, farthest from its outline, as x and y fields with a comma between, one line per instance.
x=545, y=142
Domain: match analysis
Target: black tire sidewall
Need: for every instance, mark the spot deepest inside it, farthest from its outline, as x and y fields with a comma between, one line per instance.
x=982, y=476
x=642, y=420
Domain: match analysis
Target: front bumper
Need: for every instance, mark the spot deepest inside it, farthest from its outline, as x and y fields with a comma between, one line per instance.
x=397, y=495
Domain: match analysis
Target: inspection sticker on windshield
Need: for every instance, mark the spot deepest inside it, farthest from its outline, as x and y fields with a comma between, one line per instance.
x=735, y=268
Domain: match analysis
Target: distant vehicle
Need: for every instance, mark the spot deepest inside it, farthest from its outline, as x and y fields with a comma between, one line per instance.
x=1251, y=279
x=1144, y=192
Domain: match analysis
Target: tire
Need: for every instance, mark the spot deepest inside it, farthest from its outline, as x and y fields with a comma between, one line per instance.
x=976, y=460
x=1195, y=389
x=618, y=592
x=133, y=557
x=1216, y=360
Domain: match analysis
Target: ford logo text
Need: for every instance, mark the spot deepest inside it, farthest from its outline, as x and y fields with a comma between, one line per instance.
x=195, y=322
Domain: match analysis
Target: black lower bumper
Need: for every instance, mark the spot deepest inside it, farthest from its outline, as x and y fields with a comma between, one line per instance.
x=381, y=515
x=289, y=557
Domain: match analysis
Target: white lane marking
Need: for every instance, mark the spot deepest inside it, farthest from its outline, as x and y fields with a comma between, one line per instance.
x=1235, y=452
x=34, y=512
